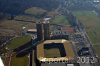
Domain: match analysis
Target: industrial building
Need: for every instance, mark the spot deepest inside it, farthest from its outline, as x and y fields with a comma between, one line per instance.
x=59, y=35
x=39, y=27
x=46, y=27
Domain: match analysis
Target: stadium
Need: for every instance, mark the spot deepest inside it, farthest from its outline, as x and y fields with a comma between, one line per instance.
x=55, y=51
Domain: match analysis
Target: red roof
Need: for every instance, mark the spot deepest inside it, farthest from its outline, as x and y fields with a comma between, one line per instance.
x=68, y=29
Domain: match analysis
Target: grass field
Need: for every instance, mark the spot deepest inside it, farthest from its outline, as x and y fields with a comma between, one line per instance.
x=60, y=20
x=11, y=24
x=53, y=52
x=91, y=21
x=16, y=42
x=19, y=61
x=35, y=11
x=15, y=25
x=97, y=48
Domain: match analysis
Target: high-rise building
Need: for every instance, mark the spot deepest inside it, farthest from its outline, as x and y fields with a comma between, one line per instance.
x=43, y=29
x=39, y=27
x=46, y=27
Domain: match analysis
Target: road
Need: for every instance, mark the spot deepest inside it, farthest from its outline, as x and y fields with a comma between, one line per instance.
x=79, y=28
x=87, y=43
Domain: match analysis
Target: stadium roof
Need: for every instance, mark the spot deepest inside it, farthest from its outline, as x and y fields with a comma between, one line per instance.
x=67, y=46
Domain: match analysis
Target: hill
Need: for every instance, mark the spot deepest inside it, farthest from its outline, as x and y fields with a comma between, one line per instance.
x=16, y=7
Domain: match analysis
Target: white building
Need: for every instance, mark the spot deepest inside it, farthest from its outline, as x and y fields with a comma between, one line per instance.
x=1, y=62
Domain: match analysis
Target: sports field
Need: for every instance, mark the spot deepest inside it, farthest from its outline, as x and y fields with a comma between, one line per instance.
x=55, y=48
x=16, y=42
x=60, y=20
x=52, y=53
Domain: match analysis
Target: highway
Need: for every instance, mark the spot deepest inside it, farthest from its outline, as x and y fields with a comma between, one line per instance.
x=87, y=43
x=84, y=41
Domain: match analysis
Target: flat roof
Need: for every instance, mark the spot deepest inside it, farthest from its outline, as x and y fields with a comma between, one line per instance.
x=67, y=46
x=32, y=30
x=70, y=64
x=1, y=62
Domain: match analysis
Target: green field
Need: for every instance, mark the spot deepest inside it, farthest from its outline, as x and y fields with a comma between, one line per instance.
x=53, y=52
x=60, y=20
x=19, y=61
x=16, y=42
x=97, y=49
x=35, y=11
x=91, y=21
x=15, y=25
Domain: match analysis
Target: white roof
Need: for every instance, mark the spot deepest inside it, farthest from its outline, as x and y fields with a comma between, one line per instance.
x=46, y=19
x=33, y=30
x=1, y=63
x=70, y=64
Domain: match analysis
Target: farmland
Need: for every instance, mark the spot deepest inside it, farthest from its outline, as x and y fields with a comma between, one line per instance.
x=91, y=22
x=14, y=25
